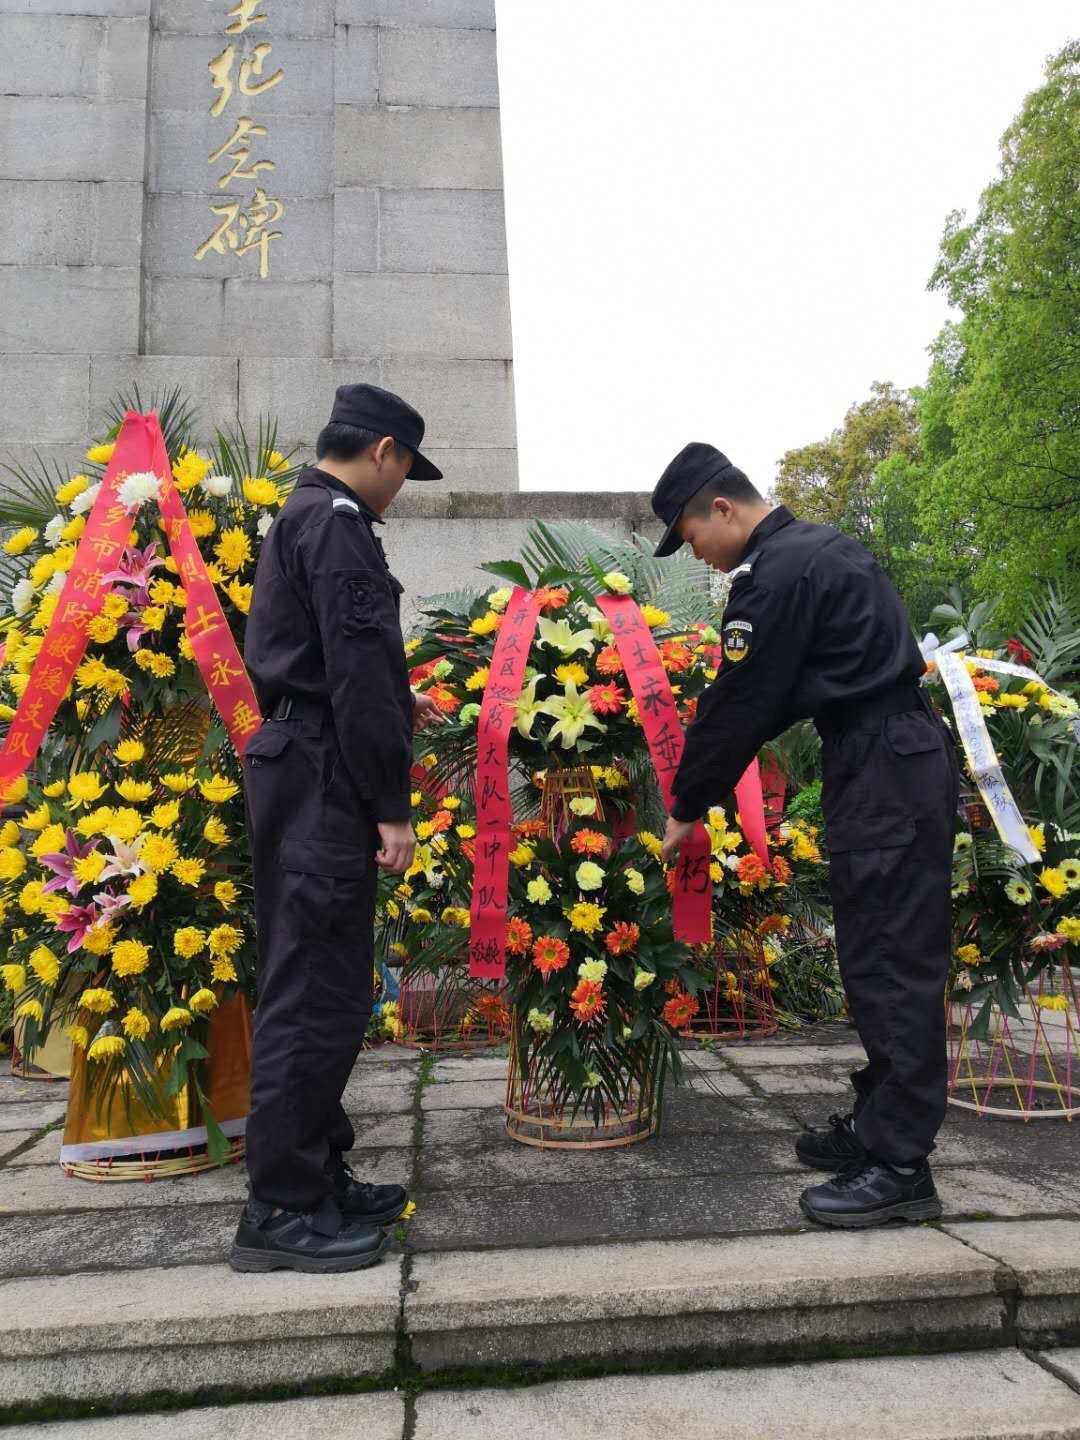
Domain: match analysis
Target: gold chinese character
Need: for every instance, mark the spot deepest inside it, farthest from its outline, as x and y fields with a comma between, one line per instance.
x=244, y=718
x=263, y=211
x=18, y=743
x=222, y=672
x=254, y=67
x=244, y=128
x=221, y=77
x=225, y=234
x=245, y=17
x=202, y=622
x=220, y=68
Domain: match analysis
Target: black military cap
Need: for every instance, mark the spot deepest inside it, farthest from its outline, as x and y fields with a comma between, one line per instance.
x=694, y=466
x=370, y=408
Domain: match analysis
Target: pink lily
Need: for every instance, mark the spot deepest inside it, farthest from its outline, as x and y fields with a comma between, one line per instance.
x=136, y=568
x=80, y=920
x=109, y=906
x=123, y=861
x=63, y=865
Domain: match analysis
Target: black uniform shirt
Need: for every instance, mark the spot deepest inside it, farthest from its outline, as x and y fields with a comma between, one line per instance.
x=811, y=622
x=324, y=626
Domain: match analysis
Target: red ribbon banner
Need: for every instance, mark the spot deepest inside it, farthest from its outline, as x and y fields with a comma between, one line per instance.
x=491, y=874
x=140, y=447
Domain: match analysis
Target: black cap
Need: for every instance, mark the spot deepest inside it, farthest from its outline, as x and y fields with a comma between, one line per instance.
x=694, y=466
x=370, y=408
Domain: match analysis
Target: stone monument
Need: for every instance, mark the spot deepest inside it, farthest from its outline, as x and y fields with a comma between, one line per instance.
x=258, y=201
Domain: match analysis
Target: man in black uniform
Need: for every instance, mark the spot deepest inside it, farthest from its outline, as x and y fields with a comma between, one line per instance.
x=327, y=787
x=814, y=628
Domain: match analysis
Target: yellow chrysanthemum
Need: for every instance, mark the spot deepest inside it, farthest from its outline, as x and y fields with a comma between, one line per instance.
x=106, y=1047
x=14, y=977
x=100, y=1002
x=202, y=1001
x=136, y=1024
x=478, y=679
x=485, y=624
x=115, y=607
x=142, y=890
x=158, y=852
x=21, y=540
x=72, y=489
x=226, y=893
x=188, y=871
x=130, y=957
x=114, y=683
x=277, y=461
x=233, y=550
x=240, y=595
x=202, y=523
x=225, y=940
x=215, y=831
x=12, y=863
x=522, y=856
x=223, y=970
x=129, y=751
x=101, y=454
x=189, y=941
x=165, y=815
x=15, y=792
x=11, y=835
x=100, y=940
x=218, y=789
x=178, y=782
x=183, y=646
x=73, y=529
x=78, y=1035
x=1069, y=927
x=586, y=917
x=152, y=617
x=55, y=789
x=259, y=490
x=37, y=819
x=64, y=558
x=188, y=469
x=102, y=630
x=134, y=790
x=466, y=831
x=176, y=1018
x=1053, y=881
x=30, y=897
x=49, y=842
x=124, y=823
x=88, y=869
x=90, y=673
x=42, y=570
x=571, y=671
x=654, y=617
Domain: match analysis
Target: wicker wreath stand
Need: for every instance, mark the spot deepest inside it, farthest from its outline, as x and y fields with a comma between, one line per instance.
x=113, y=1137
x=1029, y=1069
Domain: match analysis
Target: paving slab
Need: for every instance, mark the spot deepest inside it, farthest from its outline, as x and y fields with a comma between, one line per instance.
x=10, y=1140
x=367, y=1094
x=457, y=1067
x=387, y=1074
x=15, y=1091
x=777, y=1081
x=31, y=1114
x=339, y=1417
x=463, y=1094
x=1044, y=1256
x=1065, y=1363
x=691, y=1113
x=759, y=1297
x=998, y=1396
x=37, y=1188
x=68, y=1241
x=721, y=1083
x=137, y=1332
x=1007, y=1192
x=755, y=1056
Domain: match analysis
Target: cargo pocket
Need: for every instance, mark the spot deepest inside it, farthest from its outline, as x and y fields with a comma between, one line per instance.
x=326, y=895
x=913, y=734
x=266, y=744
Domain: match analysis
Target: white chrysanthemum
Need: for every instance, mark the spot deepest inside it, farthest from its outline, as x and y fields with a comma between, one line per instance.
x=22, y=597
x=134, y=490
x=436, y=880
x=54, y=531
x=218, y=485
x=262, y=525
x=84, y=502
x=56, y=584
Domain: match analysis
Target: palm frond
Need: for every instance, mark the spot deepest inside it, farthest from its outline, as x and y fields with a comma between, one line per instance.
x=28, y=492
x=176, y=413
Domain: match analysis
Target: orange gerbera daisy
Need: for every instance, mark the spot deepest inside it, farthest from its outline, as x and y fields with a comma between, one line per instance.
x=689, y=710
x=441, y=820
x=518, y=935
x=985, y=682
x=607, y=699
x=468, y=849
x=773, y=924
x=530, y=828
x=423, y=672
x=675, y=656
x=680, y=1010
x=608, y=662
x=588, y=842
x=781, y=869
x=494, y=1010
x=622, y=938
x=550, y=954
x=444, y=698
x=587, y=1002
x=553, y=597
x=752, y=870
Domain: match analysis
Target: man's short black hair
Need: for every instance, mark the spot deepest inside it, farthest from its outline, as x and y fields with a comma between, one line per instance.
x=733, y=486
x=345, y=442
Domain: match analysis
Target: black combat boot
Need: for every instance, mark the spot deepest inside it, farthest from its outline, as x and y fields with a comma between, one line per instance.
x=321, y=1243
x=870, y=1192
x=359, y=1201
x=830, y=1149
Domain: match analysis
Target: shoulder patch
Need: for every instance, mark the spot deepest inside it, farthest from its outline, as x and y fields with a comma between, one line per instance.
x=341, y=502
x=743, y=569
x=737, y=635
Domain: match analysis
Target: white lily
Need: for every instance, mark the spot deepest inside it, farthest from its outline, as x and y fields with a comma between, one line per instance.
x=559, y=636
x=572, y=713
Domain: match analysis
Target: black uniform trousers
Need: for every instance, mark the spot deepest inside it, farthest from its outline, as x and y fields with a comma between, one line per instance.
x=889, y=794
x=313, y=844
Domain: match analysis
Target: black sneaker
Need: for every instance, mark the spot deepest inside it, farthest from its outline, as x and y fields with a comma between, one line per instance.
x=373, y=1204
x=871, y=1193
x=321, y=1243
x=830, y=1149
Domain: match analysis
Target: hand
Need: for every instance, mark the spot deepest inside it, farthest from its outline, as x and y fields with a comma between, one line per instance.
x=675, y=835
x=398, y=846
x=426, y=712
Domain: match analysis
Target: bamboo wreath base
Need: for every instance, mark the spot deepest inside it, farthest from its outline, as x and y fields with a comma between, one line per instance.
x=739, y=1003
x=536, y=1116
x=111, y=1137
x=451, y=1012
x=1029, y=1069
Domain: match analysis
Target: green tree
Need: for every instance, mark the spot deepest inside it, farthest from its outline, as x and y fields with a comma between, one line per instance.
x=1000, y=415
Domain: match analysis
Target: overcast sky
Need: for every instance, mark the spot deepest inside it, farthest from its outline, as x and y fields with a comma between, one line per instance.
x=722, y=214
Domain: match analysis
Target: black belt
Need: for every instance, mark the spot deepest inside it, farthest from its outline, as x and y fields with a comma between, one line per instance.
x=860, y=714
x=292, y=707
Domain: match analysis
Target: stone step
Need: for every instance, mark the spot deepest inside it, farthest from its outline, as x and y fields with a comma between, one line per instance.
x=1002, y=1395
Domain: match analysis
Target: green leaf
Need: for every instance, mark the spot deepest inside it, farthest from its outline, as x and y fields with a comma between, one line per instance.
x=106, y=729
x=508, y=570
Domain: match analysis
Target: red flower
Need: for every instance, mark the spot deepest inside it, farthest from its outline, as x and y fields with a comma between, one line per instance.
x=623, y=938
x=553, y=597
x=445, y=699
x=607, y=699
x=1020, y=653
x=424, y=672
x=518, y=935
x=608, y=662
x=675, y=656
x=588, y=842
x=587, y=1002
x=550, y=954
x=680, y=1010
x=751, y=870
